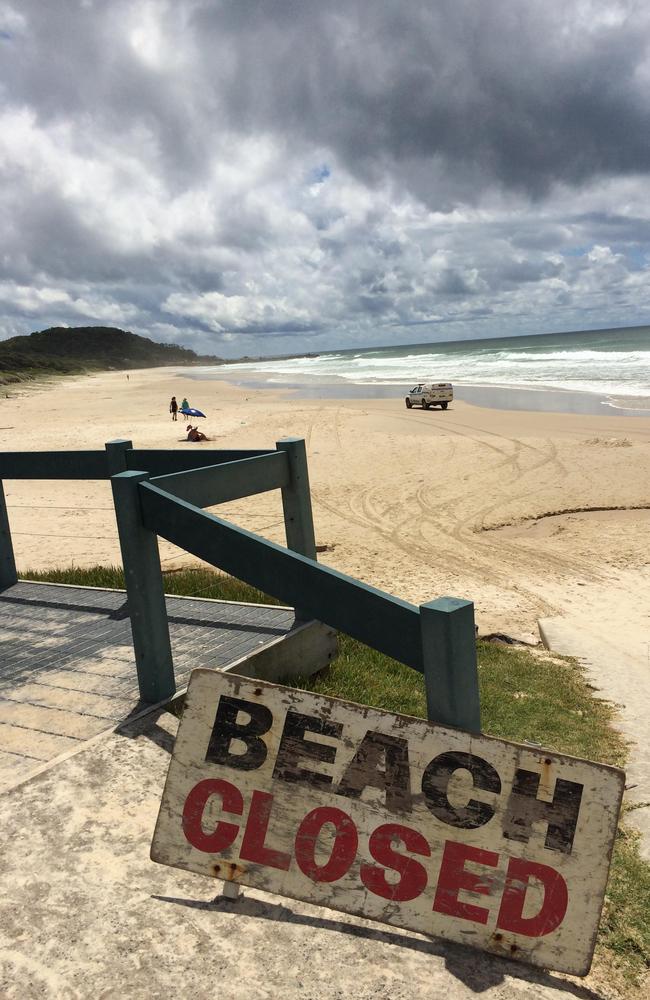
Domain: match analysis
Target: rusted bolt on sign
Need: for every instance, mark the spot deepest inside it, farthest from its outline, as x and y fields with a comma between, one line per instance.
x=496, y=845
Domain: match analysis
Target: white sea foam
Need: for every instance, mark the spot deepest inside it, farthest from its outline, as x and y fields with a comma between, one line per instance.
x=620, y=366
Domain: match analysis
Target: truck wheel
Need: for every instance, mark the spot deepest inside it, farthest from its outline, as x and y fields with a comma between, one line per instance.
x=425, y=406
x=408, y=402
x=444, y=406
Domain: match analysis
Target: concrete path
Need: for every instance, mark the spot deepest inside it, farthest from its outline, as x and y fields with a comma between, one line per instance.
x=614, y=646
x=85, y=913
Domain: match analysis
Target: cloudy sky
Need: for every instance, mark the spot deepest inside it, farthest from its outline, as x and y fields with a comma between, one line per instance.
x=269, y=176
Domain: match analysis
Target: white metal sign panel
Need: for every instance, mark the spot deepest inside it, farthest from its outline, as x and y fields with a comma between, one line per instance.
x=493, y=844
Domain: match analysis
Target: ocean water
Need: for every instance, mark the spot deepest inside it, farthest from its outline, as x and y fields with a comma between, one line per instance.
x=613, y=365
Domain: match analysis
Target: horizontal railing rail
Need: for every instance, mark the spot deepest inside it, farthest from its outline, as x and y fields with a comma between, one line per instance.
x=378, y=619
x=215, y=484
x=53, y=465
x=95, y=464
x=162, y=462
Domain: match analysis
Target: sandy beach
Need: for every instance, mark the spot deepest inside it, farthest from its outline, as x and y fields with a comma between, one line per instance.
x=527, y=514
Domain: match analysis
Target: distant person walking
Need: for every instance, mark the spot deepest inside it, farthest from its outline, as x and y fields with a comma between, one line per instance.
x=185, y=405
x=173, y=408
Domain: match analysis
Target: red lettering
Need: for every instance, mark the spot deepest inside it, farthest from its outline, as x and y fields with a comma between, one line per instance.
x=554, y=904
x=453, y=877
x=413, y=878
x=344, y=849
x=223, y=834
x=253, y=847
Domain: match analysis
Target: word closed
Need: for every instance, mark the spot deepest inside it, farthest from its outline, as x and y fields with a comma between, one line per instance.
x=499, y=846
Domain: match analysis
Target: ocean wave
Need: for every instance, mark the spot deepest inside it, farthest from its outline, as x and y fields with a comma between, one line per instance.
x=600, y=357
x=607, y=369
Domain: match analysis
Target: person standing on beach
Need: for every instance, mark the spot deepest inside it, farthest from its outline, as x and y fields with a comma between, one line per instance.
x=173, y=408
x=185, y=405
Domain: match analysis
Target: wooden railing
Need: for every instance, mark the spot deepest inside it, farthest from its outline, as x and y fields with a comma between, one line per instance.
x=162, y=493
x=377, y=619
x=118, y=456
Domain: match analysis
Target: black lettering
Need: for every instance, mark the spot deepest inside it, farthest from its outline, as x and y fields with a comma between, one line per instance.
x=435, y=782
x=394, y=779
x=294, y=747
x=561, y=814
x=226, y=729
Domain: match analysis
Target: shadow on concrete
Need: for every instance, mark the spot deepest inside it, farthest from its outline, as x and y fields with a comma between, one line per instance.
x=142, y=720
x=478, y=970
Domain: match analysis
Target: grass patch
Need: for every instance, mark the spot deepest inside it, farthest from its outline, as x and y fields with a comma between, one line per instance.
x=183, y=583
x=625, y=924
x=524, y=697
x=545, y=699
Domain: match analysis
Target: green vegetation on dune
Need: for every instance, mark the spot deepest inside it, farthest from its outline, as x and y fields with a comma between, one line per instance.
x=548, y=699
x=71, y=350
x=524, y=697
x=625, y=923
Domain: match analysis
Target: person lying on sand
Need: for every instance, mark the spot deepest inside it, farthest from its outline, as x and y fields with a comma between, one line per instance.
x=194, y=434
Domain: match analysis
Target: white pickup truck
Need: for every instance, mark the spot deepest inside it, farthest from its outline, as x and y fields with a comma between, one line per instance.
x=430, y=394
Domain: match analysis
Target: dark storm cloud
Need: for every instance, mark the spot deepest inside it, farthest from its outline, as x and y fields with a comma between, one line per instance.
x=76, y=60
x=289, y=329
x=521, y=95
x=48, y=236
x=518, y=94
x=518, y=272
x=612, y=227
x=451, y=282
x=237, y=174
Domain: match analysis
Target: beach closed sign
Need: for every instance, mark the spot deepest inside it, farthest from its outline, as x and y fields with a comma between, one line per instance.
x=496, y=845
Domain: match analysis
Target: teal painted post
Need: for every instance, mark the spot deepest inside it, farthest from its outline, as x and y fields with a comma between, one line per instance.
x=144, y=591
x=296, y=503
x=8, y=574
x=450, y=668
x=116, y=456
x=296, y=499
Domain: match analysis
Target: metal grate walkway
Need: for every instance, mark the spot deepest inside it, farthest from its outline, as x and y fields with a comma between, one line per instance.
x=67, y=670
